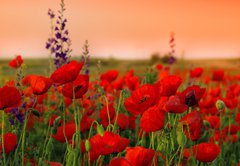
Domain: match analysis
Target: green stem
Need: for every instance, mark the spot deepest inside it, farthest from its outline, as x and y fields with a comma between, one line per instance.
x=109, y=119
x=3, y=148
x=118, y=108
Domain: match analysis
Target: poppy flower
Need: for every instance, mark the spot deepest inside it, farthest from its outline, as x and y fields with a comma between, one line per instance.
x=232, y=129
x=159, y=66
x=119, y=161
x=51, y=163
x=237, y=118
x=125, y=122
x=66, y=73
x=38, y=84
x=152, y=119
x=169, y=85
x=214, y=121
x=118, y=84
x=80, y=87
x=232, y=138
x=219, y=136
x=16, y=62
x=108, y=143
x=139, y=156
x=132, y=82
x=192, y=95
x=218, y=75
x=206, y=152
x=196, y=72
x=141, y=99
x=86, y=123
x=192, y=124
x=9, y=97
x=10, y=142
x=107, y=113
x=174, y=105
x=109, y=76
x=70, y=129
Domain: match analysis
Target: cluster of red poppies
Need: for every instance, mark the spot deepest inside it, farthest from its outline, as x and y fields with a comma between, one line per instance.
x=125, y=120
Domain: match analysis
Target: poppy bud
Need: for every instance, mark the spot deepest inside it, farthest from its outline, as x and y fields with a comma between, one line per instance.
x=181, y=138
x=206, y=123
x=56, y=121
x=100, y=129
x=35, y=113
x=87, y=145
x=54, y=130
x=220, y=105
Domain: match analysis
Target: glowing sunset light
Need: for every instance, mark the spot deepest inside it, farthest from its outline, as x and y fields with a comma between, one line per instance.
x=125, y=29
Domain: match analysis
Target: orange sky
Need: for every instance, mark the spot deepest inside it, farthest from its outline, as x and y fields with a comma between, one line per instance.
x=125, y=28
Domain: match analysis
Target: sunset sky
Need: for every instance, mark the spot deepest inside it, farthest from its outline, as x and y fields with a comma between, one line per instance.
x=125, y=28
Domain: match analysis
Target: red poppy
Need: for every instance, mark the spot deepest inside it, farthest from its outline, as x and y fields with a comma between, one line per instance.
x=132, y=82
x=187, y=153
x=159, y=66
x=206, y=152
x=10, y=142
x=118, y=84
x=174, y=105
x=152, y=120
x=70, y=129
x=216, y=92
x=66, y=73
x=192, y=124
x=237, y=118
x=80, y=87
x=232, y=138
x=141, y=99
x=9, y=97
x=139, y=156
x=109, y=76
x=219, y=136
x=39, y=84
x=107, y=113
x=54, y=163
x=232, y=129
x=169, y=85
x=108, y=143
x=218, y=75
x=214, y=121
x=16, y=62
x=86, y=123
x=192, y=95
x=125, y=122
x=119, y=161
x=197, y=72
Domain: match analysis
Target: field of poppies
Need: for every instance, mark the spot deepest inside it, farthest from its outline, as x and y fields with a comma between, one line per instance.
x=74, y=112
x=164, y=116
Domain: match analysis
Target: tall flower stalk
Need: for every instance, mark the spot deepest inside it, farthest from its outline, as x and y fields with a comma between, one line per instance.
x=59, y=43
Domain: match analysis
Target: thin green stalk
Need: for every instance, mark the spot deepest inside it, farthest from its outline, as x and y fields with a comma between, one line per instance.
x=109, y=119
x=3, y=148
x=118, y=109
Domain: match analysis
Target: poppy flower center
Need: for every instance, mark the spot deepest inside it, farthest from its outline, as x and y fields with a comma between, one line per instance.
x=77, y=88
x=143, y=99
x=190, y=98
